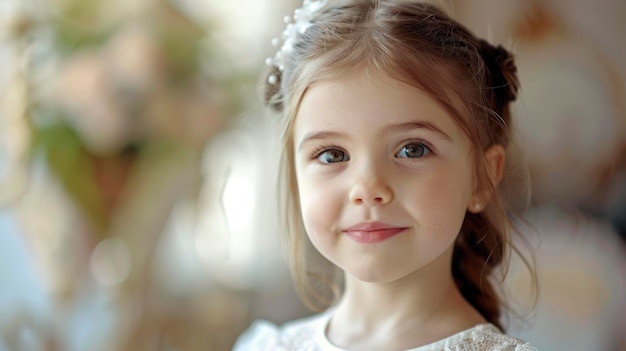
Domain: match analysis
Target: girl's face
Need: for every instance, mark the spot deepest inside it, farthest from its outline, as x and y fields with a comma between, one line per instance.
x=384, y=177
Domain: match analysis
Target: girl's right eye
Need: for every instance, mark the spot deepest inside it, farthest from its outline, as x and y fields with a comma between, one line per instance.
x=332, y=156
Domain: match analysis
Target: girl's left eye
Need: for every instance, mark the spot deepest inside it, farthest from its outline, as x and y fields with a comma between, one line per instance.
x=413, y=150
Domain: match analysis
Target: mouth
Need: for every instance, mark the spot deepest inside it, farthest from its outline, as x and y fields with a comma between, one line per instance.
x=372, y=232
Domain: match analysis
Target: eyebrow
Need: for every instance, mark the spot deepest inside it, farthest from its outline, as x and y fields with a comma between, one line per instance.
x=390, y=129
x=321, y=136
x=409, y=126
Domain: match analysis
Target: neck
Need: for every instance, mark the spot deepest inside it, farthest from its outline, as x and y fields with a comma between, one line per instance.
x=416, y=310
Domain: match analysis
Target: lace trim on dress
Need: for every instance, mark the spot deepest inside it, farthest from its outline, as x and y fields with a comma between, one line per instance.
x=487, y=338
x=308, y=335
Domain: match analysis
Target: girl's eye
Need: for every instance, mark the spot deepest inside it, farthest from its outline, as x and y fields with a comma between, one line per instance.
x=413, y=150
x=332, y=156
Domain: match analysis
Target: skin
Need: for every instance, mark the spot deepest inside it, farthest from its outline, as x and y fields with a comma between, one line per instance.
x=371, y=149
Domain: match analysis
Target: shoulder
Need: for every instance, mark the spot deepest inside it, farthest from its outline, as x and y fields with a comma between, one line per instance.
x=298, y=334
x=488, y=338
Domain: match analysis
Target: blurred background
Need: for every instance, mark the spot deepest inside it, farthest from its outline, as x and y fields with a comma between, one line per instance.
x=137, y=171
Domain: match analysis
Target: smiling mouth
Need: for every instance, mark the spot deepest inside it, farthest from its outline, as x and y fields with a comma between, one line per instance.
x=372, y=233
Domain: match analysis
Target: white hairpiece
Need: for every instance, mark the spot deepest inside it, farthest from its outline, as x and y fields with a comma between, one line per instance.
x=296, y=25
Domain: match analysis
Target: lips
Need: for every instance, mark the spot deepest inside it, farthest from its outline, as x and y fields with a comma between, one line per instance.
x=372, y=232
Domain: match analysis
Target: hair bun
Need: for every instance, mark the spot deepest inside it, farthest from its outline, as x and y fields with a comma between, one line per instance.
x=502, y=72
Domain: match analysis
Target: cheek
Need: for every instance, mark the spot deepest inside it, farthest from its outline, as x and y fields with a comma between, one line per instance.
x=442, y=199
x=449, y=190
x=319, y=204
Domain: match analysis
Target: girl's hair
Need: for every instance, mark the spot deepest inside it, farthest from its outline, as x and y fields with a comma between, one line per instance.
x=418, y=44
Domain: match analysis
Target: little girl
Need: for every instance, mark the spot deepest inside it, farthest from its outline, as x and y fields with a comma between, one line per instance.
x=396, y=127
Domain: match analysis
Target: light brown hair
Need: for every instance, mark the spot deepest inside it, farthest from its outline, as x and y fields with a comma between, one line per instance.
x=473, y=80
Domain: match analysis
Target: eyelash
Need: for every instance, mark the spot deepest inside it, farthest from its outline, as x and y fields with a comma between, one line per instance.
x=431, y=150
x=322, y=149
x=315, y=155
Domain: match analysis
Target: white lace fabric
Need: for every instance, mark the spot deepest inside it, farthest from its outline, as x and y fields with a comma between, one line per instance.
x=307, y=334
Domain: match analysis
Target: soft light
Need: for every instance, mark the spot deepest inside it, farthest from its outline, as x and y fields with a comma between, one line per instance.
x=238, y=202
x=111, y=262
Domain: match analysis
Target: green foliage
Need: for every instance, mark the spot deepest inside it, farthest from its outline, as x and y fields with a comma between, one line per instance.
x=180, y=40
x=182, y=52
x=78, y=25
x=68, y=160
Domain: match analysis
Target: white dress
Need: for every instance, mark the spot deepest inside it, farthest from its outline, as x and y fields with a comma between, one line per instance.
x=308, y=334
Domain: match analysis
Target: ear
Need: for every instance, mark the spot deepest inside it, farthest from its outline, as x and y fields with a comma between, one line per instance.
x=494, y=161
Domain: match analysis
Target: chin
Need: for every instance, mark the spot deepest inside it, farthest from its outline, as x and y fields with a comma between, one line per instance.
x=375, y=275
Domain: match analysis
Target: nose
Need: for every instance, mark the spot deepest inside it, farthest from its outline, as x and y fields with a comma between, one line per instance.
x=370, y=189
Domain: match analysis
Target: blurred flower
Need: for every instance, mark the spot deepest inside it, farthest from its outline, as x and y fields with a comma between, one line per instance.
x=133, y=60
x=119, y=100
x=568, y=92
x=582, y=279
x=84, y=91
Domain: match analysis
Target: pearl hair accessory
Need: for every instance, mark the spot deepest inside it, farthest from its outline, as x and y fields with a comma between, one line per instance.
x=296, y=25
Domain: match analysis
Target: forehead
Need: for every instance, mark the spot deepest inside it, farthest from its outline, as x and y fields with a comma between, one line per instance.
x=368, y=101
